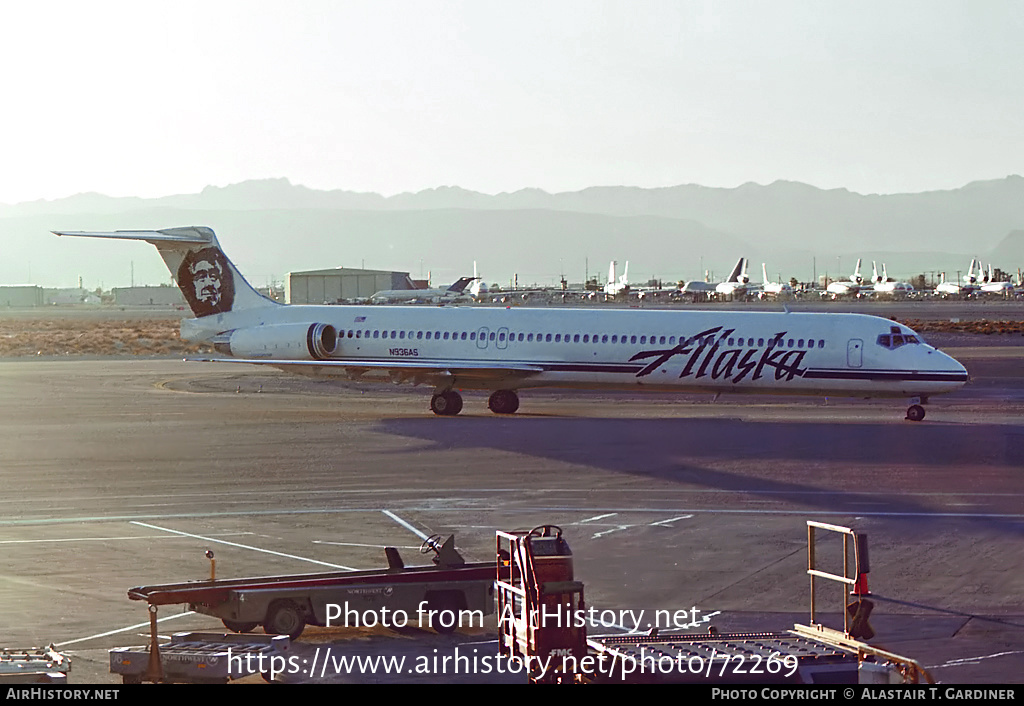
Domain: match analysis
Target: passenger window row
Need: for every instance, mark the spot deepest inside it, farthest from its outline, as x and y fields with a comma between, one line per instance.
x=613, y=339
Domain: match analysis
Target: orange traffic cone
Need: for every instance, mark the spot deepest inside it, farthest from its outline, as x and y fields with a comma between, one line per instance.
x=860, y=588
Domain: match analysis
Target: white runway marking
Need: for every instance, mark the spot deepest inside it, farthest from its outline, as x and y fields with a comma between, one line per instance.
x=245, y=546
x=120, y=630
x=668, y=522
x=619, y=528
x=100, y=539
x=973, y=660
x=405, y=524
x=524, y=509
x=598, y=517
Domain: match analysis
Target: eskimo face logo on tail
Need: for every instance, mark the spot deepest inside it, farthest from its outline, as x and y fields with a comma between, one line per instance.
x=706, y=355
x=205, y=280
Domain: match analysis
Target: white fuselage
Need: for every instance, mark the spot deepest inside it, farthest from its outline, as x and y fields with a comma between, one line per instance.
x=955, y=289
x=1003, y=288
x=844, y=288
x=895, y=288
x=715, y=351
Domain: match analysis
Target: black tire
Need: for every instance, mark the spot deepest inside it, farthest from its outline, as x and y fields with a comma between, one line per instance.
x=439, y=405
x=284, y=618
x=915, y=413
x=455, y=400
x=239, y=626
x=446, y=404
x=503, y=402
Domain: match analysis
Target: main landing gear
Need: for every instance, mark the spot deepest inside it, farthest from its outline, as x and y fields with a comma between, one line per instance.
x=503, y=402
x=446, y=404
x=915, y=412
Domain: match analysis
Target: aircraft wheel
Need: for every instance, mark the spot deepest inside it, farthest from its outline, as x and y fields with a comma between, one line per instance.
x=439, y=404
x=446, y=404
x=239, y=625
x=503, y=402
x=915, y=413
x=284, y=618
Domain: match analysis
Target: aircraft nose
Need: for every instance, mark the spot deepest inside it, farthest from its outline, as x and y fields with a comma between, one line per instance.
x=952, y=365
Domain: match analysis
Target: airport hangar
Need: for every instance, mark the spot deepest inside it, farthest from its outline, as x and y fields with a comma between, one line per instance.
x=342, y=283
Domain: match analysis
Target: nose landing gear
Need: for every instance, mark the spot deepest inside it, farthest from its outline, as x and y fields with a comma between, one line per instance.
x=915, y=412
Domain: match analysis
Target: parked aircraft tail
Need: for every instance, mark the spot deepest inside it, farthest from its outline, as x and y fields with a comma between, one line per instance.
x=739, y=271
x=970, y=277
x=209, y=281
x=459, y=286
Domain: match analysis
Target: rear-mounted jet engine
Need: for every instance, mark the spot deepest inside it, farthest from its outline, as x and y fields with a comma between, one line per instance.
x=280, y=341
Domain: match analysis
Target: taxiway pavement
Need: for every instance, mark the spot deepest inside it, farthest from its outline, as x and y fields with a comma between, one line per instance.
x=122, y=472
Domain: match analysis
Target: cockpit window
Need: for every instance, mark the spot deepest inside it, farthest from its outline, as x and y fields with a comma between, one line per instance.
x=895, y=340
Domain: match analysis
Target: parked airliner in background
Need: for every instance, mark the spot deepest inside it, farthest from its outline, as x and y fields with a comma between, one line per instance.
x=970, y=284
x=435, y=294
x=773, y=289
x=847, y=287
x=478, y=289
x=737, y=283
x=884, y=286
x=989, y=285
x=697, y=289
x=617, y=286
x=505, y=350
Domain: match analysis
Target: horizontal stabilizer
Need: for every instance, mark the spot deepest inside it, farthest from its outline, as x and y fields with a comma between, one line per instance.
x=190, y=236
x=210, y=283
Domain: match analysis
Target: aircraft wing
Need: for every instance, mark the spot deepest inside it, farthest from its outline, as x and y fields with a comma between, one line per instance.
x=397, y=370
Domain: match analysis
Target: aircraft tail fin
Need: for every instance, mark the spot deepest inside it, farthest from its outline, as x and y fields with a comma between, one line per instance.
x=741, y=266
x=459, y=286
x=209, y=281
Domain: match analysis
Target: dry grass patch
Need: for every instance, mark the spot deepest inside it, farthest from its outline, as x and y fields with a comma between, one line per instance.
x=50, y=337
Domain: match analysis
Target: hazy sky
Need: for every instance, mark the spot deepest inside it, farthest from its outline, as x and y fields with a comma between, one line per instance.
x=149, y=99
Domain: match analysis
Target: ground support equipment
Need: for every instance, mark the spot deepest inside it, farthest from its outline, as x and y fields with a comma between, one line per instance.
x=36, y=665
x=200, y=658
x=442, y=594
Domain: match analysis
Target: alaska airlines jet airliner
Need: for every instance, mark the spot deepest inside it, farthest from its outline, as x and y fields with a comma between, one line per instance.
x=507, y=350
